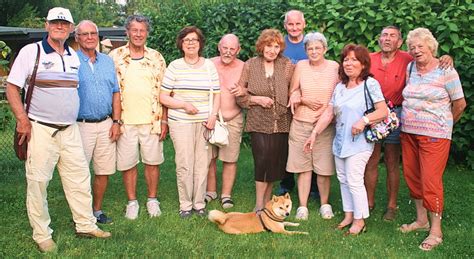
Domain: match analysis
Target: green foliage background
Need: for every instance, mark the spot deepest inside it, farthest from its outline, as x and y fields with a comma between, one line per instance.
x=342, y=22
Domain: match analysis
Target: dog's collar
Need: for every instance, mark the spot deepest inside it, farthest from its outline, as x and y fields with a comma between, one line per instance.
x=270, y=215
x=263, y=223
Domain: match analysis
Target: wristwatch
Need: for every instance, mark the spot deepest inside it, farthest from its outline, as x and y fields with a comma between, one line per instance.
x=366, y=120
x=119, y=122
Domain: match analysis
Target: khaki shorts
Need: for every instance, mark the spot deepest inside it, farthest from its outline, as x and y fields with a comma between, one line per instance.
x=133, y=138
x=98, y=147
x=230, y=153
x=320, y=160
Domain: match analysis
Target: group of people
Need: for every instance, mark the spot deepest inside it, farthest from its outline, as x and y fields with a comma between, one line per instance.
x=304, y=114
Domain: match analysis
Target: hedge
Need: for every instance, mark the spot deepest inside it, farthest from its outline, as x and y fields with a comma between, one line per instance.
x=341, y=22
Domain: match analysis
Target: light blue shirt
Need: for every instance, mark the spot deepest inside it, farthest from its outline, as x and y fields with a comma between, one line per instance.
x=294, y=51
x=349, y=107
x=96, y=86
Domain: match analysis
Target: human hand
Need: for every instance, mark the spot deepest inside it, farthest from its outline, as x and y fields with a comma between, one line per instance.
x=114, y=132
x=446, y=62
x=211, y=122
x=265, y=102
x=295, y=100
x=164, y=131
x=308, y=145
x=237, y=90
x=190, y=109
x=312, y=104
x=23, y=127
x=358, y=127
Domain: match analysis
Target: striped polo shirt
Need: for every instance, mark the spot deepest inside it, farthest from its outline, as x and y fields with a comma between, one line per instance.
x=55, y=99
x=191, y=85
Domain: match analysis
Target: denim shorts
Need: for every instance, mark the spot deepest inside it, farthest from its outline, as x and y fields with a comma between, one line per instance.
x=394, y=137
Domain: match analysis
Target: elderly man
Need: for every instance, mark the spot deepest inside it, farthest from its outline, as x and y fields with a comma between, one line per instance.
x=99, y=111
x=140, y=71
x=229, y=68
x=294, y=24
x=389, y=67
x=51, y=130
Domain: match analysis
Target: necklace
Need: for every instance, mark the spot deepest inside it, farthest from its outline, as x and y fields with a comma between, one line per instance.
x=192, y=64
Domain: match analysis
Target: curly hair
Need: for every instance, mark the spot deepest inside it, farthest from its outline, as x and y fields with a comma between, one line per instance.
x=269, y=36
x=424, y=35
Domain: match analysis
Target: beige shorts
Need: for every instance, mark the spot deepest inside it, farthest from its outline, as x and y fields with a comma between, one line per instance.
x=98, y=147
x=230, y=153
x=137, y=138
x=320, y=160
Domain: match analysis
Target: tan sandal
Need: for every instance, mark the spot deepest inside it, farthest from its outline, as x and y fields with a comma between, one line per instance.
x=430, y=242
x=414, y=226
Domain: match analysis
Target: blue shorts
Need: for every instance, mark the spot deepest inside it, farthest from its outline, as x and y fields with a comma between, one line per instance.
x=394, y=137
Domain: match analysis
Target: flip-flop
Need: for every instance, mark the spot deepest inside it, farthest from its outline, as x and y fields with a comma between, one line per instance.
x=414, y=226
x=430, y=242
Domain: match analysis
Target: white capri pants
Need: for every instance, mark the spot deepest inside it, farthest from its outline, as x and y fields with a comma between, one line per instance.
x=350, y=173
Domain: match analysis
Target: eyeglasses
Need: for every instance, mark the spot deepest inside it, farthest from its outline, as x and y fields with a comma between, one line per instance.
x=87, y=34
x=190, y=41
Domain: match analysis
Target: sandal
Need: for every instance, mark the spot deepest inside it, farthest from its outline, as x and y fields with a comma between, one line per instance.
x=326, y=211
x=430, y=242
x=210, y=196
x=414, y=226
x=361, y=230
x=390, y=214
x=227, y=202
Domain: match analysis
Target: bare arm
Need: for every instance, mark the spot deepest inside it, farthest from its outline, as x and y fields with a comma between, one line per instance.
x=380, y=113
x=170, y=102
x=23, y=123
x=323, y=122
x=457, y=108
x=295, y=93
x=211, y=121
x=114, y=132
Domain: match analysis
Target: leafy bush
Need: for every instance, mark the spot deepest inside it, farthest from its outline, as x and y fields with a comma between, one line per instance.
x=342, y=21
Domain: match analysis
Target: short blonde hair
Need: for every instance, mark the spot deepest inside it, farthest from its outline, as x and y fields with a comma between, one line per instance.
x=424, y=35
x=269, y=36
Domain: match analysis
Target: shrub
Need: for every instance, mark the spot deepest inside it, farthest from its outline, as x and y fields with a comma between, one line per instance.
x=342, y=21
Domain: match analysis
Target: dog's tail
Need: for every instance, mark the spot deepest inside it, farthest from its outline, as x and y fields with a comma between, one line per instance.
x=217, y=217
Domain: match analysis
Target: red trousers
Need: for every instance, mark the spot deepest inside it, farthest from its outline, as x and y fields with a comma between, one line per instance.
x=424, y=161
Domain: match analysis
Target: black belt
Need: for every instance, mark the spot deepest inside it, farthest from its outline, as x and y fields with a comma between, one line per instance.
x=54, y=126
x=93, y=120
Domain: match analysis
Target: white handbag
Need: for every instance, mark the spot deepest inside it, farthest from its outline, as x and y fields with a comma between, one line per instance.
x=219, y=136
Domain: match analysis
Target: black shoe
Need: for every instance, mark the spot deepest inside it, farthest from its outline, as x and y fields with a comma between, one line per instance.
x=201, y=212
x=103, y=219
x=185, y=214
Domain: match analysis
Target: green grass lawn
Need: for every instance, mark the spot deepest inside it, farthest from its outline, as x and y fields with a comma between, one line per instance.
x=169, y=236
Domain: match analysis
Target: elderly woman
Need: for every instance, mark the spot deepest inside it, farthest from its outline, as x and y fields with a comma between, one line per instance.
x=433, y=102
x=186, y=91
x=263, y=90
x=311, y=90
x=350, y=148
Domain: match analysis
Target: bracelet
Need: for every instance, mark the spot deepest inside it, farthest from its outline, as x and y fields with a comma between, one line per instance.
x=164, y=122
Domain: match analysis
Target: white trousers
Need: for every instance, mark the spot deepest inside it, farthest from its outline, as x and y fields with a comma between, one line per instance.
x=350, y=173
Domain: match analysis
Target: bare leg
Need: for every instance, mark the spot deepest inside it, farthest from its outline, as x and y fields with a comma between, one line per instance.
x=229, y=172
x=268, y=193
x=421, y=213
x=372, y=174
x=392, y=162
x=436, y=224
x=357, y=226
x=99, y=187
x=130, y=182
x=212, y=177
x=152, y=176
x=348, y=218
x=260, y=189
x=304, y=185
x=324, y=186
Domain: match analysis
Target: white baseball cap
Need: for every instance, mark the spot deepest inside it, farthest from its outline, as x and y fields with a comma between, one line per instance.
x=59, y=13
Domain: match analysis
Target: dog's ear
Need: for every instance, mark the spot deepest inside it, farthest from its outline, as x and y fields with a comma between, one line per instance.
x=287, y=196
x=275, y=198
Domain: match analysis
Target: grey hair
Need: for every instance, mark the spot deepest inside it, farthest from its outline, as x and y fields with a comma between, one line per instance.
x=293, y=11
x=315, y=36
x=138, y=18
x=395, y=28
x=426, y=36
x=76, y=30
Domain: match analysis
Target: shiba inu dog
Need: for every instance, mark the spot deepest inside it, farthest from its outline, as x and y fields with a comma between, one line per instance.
x=271, y=218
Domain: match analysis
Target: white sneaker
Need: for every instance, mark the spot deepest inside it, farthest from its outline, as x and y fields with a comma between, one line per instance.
x=302, y=213
x=132, y=210
x=326, y=211
x=153, y=208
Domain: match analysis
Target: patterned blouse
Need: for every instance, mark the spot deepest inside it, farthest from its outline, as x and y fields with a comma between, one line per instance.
x=276, y=119
x=152, y=60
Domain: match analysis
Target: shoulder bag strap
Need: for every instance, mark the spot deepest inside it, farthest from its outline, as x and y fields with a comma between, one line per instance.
x=367, y=93
x=211, y=93
x=31, y=83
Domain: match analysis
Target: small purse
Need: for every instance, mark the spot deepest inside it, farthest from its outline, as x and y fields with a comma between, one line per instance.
x=22, y=150
x=219, y=136
x=379, y=131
